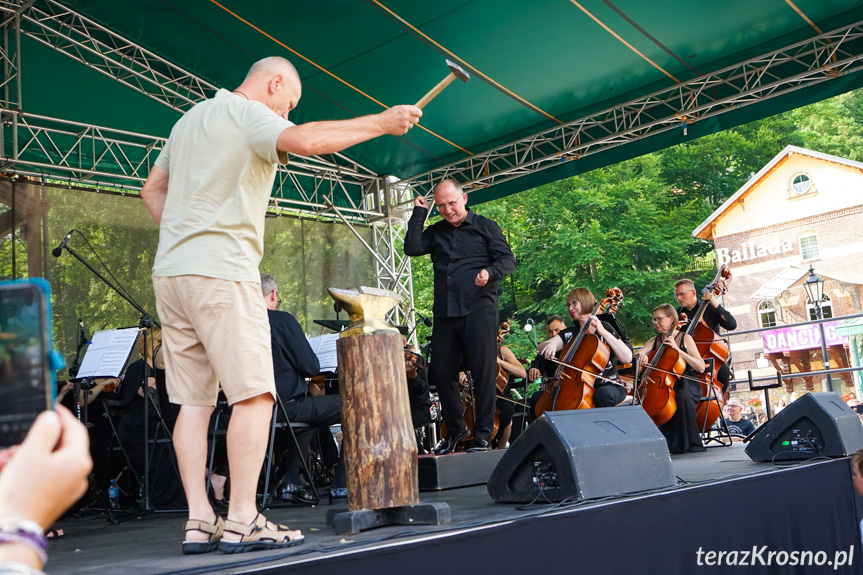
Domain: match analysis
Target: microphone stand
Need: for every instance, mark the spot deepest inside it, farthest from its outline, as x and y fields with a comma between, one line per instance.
x=82, y=341
x=145, y=323
x=425, y=320
x=529, y=322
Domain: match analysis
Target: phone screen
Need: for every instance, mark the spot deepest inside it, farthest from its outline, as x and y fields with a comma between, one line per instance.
x=26, y=382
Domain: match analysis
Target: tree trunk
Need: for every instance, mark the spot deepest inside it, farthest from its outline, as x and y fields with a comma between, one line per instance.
x=379, y=442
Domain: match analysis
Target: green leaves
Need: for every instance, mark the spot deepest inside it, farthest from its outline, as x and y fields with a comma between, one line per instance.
x=629, y=225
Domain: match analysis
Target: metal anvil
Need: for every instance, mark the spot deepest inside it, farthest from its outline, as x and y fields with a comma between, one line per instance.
x=367, y=308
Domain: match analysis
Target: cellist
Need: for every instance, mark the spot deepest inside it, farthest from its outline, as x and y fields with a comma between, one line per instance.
x=715, y=316
x=608, y=389
x=514, y=371
x=681, y=431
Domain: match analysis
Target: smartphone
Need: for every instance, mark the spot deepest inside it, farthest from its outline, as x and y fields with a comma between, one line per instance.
x=859, y=408
x=27, y=385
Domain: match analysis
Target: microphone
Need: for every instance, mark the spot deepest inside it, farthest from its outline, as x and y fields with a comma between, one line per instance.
x=426, y=320
x=84, y=337
x=56, y=252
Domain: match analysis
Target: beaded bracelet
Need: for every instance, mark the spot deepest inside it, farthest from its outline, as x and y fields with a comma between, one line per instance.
x=13, y=568
x=22, y=535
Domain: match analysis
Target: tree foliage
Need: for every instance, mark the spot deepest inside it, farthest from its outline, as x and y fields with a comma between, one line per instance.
x=629, y=224
x=306, y=257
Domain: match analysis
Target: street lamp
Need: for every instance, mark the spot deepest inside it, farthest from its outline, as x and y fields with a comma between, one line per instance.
x=814, y=287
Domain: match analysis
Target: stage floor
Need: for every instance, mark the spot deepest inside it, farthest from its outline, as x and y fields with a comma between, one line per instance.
x=151, y=544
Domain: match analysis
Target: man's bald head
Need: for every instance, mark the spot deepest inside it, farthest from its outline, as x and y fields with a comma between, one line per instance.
x=271, y=66
x=275, y=82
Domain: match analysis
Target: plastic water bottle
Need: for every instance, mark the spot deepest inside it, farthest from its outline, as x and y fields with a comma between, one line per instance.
x=114, y=495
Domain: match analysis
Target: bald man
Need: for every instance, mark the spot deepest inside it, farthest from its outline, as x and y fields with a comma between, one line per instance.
x=209, y=192
x=470, y=256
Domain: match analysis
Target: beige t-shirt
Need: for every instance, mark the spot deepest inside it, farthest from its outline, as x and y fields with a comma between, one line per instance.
x=221, y=161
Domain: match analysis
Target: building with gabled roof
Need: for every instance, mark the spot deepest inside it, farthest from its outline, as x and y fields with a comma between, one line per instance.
x=802, y=209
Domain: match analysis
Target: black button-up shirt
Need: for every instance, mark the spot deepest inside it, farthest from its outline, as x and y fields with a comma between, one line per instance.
x=458, y=254
x=714, y=317
x=293, y=358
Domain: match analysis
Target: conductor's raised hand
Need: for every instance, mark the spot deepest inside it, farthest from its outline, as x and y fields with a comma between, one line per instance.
x=481, y=278
x=421, y=201
x=397, y=120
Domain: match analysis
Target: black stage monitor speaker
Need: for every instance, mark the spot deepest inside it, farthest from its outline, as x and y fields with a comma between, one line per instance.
x=583, y=454
x=815, y=424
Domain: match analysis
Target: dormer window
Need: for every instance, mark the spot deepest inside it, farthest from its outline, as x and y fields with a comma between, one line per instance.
x=800, y=185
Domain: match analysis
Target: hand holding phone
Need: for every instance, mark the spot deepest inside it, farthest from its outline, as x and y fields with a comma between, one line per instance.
x=26, y=376
x=48, y=472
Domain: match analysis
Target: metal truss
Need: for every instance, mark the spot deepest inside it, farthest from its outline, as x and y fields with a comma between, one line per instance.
x=392, y=266
x=10, y=52
x=800, y=65
x=41, y=146
x=335, y=186
x=85, y=41
x=302, y=187
x=388, y=237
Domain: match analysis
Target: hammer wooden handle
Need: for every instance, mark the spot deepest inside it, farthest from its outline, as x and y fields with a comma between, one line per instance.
x=436, y=90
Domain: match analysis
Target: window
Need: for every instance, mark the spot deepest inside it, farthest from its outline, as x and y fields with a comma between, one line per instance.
x=826, y=308
x=801, y=184
x=808, y=247
x=766, y=314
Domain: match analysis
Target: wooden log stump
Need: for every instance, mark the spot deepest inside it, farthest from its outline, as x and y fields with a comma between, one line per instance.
x=379, y=442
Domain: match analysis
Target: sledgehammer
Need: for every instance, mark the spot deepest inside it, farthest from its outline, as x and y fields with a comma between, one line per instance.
x=455, y=71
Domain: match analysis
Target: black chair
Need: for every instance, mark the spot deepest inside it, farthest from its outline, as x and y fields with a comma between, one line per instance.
x=219, y=431
x=719, y=434
x=293, y=428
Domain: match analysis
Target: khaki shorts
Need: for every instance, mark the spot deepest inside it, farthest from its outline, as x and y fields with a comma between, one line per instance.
x=214, y=332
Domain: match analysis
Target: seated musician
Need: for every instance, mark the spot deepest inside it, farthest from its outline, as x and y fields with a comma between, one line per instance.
x=608, y=389
x=98, y=427
x=416, y=371
x=293, y=361
x=514, y=371
x=541, y=367
x=714, y=316
x=681, y=431
x=166, y=489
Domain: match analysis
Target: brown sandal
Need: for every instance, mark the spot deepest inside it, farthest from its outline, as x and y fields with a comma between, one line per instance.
x=214, y=529
x=258, y=536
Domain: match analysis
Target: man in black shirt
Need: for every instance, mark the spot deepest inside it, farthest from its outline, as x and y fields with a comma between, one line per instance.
x=294, y=361
x=470, y=256
x=541, y=367
x=715, y=316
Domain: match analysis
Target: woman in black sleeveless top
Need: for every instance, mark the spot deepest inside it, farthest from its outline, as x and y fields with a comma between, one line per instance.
x=681, y=431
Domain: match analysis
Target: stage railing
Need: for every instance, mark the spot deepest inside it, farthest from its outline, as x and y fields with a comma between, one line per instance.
x=815, y=373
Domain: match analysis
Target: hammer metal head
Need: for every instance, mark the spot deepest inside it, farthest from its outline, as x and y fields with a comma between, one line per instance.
x=458, y=71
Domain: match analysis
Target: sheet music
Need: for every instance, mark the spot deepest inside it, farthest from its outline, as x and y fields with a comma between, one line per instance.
x=324, y=347
x=106, y=356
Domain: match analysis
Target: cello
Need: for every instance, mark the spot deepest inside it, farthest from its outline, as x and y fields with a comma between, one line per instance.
x=655, y=385
x=502, y=377
x=468, y=409
x=710, y=346
x=581, y=361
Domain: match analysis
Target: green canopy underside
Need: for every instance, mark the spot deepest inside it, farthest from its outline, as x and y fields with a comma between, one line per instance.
x=542, y=62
